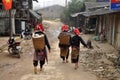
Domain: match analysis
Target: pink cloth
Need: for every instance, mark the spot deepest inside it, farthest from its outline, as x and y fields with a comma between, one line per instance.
x=40, y=55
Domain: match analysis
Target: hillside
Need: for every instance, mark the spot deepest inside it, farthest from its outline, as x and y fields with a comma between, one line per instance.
x=51, y=11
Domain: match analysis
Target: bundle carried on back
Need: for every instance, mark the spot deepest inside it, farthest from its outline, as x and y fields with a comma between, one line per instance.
x=38, y=41
x=64, y=38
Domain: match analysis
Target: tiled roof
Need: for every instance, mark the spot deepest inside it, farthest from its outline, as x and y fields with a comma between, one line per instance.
x=98, y=12
x=35, y=14
x=90, y=5
x=76, y=14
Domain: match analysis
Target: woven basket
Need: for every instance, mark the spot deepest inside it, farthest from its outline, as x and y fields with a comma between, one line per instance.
x=39, y=42
x=64, y=39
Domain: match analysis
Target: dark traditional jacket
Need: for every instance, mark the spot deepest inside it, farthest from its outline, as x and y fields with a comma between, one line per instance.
x=76, y=40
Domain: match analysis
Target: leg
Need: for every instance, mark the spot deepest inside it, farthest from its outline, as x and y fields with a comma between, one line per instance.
x=9, y=49
x=63, y=58
x=67, y=56
x=61, y=54
x=35, y=63
x=41, y=64
x=76, y=64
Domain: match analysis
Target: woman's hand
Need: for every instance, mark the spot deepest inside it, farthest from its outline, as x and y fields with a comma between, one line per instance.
x=49, y=51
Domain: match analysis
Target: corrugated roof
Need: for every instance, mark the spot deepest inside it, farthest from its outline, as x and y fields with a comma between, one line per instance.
x=99, y=12
x=90, y=5
x=76, y=14
x=95, y=8
x=35, y=14
x=5, y=14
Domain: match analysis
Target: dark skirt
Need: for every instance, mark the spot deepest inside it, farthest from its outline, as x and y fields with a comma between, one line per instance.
x=40, y=55
x=75, y=60
x=64, y=51
x=75, y=54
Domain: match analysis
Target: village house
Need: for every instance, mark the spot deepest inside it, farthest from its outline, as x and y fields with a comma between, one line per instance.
x=15, y=20
x=106, y=21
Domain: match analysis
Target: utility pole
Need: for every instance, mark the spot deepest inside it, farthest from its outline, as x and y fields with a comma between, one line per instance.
x=10, y=22
x=66, y=3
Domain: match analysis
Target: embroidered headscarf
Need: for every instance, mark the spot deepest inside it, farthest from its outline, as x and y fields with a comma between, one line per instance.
x=76, y=31
x=65, y=28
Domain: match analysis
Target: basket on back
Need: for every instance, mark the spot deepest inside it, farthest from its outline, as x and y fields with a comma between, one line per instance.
x=38, y=41
x=64, y=38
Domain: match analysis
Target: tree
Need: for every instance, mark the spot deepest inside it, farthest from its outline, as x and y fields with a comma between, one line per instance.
x=74, y=6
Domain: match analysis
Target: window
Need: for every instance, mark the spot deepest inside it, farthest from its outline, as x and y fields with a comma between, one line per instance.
x=1, y=6
x=25, y=5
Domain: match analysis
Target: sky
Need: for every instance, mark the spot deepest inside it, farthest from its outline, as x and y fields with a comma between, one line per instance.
x=45, y=3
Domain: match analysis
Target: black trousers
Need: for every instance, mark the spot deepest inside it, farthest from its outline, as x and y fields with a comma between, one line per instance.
x=65, y=57
x=35, y=63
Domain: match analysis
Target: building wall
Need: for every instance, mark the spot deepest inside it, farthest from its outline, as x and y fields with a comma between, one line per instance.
x=117, y=33
x=2, y=28
x=113, y=31
x=100, y=24
x=102, y=0
x=110, y=24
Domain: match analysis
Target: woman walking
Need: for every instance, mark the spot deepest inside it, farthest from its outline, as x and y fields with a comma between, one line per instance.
x=75, y=45
x=64, y=43
x=40, y=55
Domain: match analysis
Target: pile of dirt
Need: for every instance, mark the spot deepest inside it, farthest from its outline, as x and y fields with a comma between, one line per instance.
x=104, y=64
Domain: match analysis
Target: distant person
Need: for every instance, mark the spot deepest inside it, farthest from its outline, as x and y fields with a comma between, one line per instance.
x=40, y=55
x=102, y=37
x=80, y=29
x=89, y=44
x=64, y=43
x=75, y=44
x=11, y=41
x=22, y=34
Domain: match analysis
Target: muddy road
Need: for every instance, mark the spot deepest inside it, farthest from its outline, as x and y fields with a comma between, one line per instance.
x=12, y=68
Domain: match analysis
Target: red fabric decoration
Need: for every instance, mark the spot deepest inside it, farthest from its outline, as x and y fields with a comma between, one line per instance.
x=40, y=27
x=65, y=28
x=7, y=4
x=76, y=31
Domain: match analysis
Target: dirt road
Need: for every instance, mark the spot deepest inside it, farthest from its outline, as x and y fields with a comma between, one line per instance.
x=22, y=69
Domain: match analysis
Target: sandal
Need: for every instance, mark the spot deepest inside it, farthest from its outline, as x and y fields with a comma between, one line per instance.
x=67, y=61
x=63, y=61
x=41, y=69
x=76, y=67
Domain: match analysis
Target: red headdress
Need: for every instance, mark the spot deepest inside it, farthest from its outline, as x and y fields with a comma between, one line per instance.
x=39, y=27
x=65, y=28
x=76, y=31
